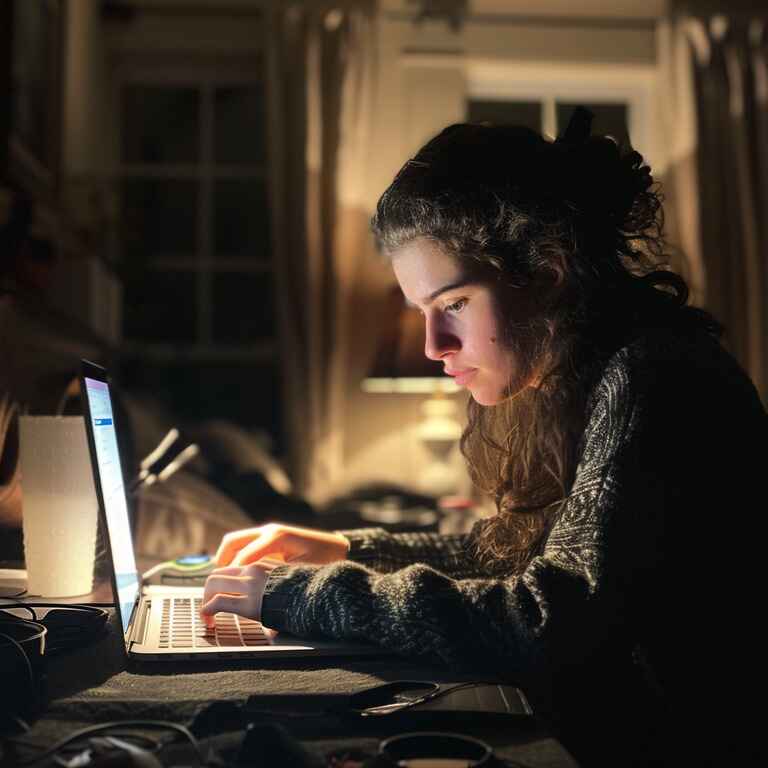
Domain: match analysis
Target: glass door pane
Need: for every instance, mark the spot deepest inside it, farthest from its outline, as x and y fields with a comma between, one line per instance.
x=243, y=308
x=238, y=129
x=159, y=220
x=160, y=124
x=159, y=306
x=241, y=219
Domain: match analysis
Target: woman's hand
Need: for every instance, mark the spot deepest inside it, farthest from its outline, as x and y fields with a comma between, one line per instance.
x=237, y=589
x=281, y=542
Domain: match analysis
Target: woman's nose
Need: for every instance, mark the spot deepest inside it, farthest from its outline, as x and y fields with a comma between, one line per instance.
x=439, y=341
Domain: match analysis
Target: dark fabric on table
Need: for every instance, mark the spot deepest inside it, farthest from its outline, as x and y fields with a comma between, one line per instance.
x=92, y=685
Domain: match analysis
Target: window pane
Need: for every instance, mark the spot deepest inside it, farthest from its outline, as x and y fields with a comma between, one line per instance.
x=160, y=307
x=243, y=307
x=159, y=218
x=241, y=219
x=527, y=113
x=247, y=394
x=610, y=120
x=160, y=124
x=239, y=124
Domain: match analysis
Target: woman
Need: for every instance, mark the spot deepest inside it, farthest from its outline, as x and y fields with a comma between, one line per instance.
x=611, y=427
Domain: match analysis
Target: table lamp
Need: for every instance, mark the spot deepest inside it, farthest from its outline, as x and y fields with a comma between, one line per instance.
x=400, y=367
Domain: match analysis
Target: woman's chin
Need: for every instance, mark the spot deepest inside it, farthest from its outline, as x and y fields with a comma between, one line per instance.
x=485, y=398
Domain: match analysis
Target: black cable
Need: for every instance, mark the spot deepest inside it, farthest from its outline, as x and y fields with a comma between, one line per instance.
x=160, y=724
x=26, y=701
x=96, y=608
x=145, y=742
x=89, y=623
x=18, y=647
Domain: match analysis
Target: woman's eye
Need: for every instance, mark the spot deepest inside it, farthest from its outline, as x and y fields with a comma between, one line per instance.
x=457, y=306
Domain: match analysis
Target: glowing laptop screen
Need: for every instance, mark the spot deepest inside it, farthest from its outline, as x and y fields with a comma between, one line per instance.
x=113, y=495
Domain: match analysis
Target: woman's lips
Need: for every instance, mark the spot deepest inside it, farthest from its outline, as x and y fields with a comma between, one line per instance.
x=462, y=377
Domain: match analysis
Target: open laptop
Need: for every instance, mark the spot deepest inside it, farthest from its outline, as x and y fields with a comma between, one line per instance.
x=162, y=623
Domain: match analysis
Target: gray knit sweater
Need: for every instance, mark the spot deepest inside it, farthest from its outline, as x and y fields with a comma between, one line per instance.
x=669, y=425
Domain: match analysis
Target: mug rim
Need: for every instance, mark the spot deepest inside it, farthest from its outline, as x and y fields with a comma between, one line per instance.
x=39, y=630
x=420, y=738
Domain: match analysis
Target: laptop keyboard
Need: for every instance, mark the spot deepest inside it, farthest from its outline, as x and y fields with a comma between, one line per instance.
x=182, y=627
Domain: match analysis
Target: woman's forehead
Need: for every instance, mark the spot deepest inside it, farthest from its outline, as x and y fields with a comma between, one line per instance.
x=426, y=258
x=423, y=267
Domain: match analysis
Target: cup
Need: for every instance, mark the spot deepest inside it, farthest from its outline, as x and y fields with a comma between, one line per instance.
x=59, y=506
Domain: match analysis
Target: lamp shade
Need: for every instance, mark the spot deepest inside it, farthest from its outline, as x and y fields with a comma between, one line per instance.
x=400, y=364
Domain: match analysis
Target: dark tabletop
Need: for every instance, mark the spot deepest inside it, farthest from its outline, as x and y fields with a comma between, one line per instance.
x=94, y=684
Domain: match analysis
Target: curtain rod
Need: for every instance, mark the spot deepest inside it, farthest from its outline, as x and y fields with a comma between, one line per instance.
x=253, y=8
x=539, y=20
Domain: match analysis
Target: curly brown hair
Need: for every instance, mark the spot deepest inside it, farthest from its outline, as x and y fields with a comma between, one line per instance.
x=518, y=211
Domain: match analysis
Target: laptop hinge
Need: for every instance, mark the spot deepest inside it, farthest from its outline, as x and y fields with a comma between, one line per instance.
x=143, y=625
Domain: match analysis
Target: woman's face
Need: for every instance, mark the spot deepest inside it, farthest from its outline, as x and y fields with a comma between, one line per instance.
x=462, y=325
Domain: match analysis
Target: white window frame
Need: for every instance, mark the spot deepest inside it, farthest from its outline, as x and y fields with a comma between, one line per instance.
x=633, y=85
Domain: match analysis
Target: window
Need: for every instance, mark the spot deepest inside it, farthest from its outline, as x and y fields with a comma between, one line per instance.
x=194, y=241
x=543, y=97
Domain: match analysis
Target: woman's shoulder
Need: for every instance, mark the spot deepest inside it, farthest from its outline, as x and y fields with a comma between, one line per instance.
x=677, y=363
x=679, y=397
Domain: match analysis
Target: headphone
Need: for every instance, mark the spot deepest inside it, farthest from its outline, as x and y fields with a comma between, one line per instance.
x=69, y=626
x=25, y=644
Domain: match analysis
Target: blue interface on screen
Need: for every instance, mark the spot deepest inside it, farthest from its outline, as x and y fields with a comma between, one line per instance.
x=113, y=491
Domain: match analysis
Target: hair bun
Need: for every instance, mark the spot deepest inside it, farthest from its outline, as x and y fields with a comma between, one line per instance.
x=634, y=179
x=598, y=180
x=579, y=127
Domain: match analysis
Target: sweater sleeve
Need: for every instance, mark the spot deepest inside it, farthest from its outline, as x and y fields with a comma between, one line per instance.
x=388, y=552
x=559, y=607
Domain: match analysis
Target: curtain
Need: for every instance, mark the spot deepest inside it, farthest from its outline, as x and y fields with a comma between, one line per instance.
x=679, y=179
x=321, y=64
x=728, y=52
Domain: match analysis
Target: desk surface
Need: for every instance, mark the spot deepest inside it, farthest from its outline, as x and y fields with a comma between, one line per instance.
x=93, y=685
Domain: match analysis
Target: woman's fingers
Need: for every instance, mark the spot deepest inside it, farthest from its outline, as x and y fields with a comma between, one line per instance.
x=240, y=604
x=233, y=542
x=274, y=545
x=230, y=570
x=224, y=582
x=235, y=589
x=290, y=543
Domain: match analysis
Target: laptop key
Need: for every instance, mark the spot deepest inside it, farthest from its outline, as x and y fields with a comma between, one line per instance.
x=183, y=628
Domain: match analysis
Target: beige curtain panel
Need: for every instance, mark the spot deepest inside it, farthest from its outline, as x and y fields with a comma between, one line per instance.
x=728, y=54
x=321, y=60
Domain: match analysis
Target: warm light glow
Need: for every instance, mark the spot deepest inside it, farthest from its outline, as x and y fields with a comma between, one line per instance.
x=410, y=385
